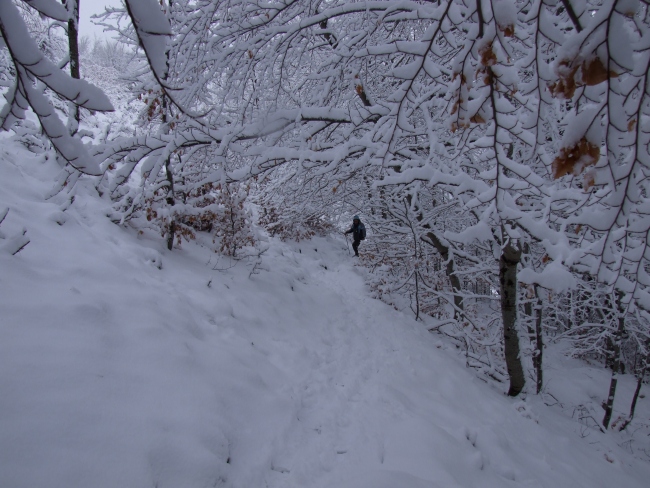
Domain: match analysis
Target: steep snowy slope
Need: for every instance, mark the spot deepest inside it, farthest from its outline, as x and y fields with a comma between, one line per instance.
x=125, y=365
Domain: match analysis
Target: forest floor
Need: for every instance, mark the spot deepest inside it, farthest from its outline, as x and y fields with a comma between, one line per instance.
x=126, y=365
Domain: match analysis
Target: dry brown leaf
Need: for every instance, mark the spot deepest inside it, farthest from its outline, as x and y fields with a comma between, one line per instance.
x=488, y=57
x=565, y=87
x=589, y=180
x=477, y=119
x=574, y=159
x=487, y=75
x=508, y=30
x=594, y=72
x=572, y=74
x=454, y=109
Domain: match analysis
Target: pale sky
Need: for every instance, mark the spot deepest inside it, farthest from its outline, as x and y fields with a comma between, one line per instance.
x=88, y=8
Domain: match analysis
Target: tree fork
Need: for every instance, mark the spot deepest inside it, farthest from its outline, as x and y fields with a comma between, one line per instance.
x=450, y=271
x=639, y=382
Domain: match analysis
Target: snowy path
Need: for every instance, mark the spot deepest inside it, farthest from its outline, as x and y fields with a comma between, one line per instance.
x=376, y=404
x=335, y=393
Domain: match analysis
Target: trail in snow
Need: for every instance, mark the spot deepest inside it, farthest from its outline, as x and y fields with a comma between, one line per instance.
x=125, y=365
x=377, y=404
x=333, y=394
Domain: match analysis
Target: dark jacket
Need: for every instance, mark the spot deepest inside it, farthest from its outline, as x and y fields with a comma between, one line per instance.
x=358, y=231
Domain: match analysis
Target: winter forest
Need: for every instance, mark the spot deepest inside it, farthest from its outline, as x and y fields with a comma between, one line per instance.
x=496, y=150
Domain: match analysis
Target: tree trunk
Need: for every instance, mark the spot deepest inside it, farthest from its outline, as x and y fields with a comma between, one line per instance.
x=171, y=231
x=73, y=48
x=171, y=201
x=645, y=368
x=528, y=310
x=539, y=343
x=510, y=258
x=450, y=271
x=610, y=353
x=616, y=361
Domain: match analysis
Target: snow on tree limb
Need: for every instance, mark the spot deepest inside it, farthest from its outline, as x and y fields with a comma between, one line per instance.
x=31, y=66
x=153, y=29
x=24, y=52
x=14, y=109
x=50, y=8
x=69, y=147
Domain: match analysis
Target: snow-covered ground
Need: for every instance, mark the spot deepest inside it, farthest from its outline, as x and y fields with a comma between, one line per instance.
x=125, y=365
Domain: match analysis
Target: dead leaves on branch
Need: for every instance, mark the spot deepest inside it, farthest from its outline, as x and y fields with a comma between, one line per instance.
x=487, y=59
x=573, y=160
x=210, y=208
x=588, y=182
x=477, y=119
x=463, y=79
x=508, y=30
x=488, y=56
x=574, y=73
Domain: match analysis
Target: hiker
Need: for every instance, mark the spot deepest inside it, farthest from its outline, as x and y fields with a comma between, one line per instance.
x=358, y=233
